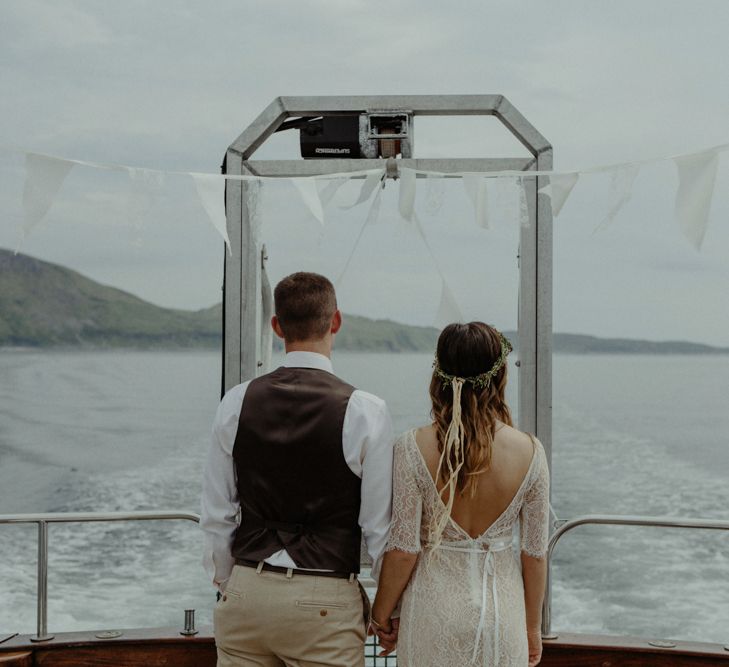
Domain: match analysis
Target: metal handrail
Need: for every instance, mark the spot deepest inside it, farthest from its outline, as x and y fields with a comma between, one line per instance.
x=614, y=520
x=42, y=520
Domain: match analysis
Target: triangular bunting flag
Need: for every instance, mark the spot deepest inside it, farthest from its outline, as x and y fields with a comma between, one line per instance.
x=407, y=193
x=559, y=189
x=310, y=196
x=211, y=191
x=696, y=180
x=44, y=177
x=475, y=186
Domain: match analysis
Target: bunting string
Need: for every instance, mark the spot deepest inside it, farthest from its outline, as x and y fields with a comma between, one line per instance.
x=696, y=172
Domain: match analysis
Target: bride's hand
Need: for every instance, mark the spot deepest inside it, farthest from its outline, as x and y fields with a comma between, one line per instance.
x=534, y=639
x=388, y=640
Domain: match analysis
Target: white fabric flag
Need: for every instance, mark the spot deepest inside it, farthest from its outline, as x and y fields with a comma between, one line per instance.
x=522, y=203
x=211, y=191
x=559, y=189
x=407, y=193
x=620, y=191
x=475, y=186
x=434, y=193
x=372, y=180
x=44, y=177
x=327, y=193
x=310, y=196
x=696, y=181
x=148, y=181
x=448, y=310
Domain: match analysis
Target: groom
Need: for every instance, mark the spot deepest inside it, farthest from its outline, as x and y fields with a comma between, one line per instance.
x=298, y=471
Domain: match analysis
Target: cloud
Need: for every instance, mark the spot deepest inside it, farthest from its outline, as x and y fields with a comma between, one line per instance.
x=170, y=84
x=51, y=26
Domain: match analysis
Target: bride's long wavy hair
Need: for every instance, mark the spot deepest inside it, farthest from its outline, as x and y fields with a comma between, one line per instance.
x=466, y=350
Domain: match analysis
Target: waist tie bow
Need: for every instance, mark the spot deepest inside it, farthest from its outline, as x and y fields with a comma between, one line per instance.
x=489, y=548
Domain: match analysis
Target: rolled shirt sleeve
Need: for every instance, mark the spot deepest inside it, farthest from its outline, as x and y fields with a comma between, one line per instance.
x=368, y=448
x=219, y=513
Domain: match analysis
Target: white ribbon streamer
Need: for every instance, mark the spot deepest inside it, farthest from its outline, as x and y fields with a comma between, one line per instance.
x=406, y=200
x=371, y=219
x=310, y=196
x=696, y=181
x=43, y=179
x=559, y=189
x=448, y=310
x=475, y=187
x=211, y=191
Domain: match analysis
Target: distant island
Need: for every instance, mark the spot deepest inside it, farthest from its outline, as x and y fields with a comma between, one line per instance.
x=47, y=305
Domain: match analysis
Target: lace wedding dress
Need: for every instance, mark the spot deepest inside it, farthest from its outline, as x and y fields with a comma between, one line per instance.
x=464, y=604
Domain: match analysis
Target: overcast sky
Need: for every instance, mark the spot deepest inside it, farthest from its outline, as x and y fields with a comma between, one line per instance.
x=169, y=85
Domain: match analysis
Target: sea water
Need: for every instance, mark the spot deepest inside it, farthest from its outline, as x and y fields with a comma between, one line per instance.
x=128, y=430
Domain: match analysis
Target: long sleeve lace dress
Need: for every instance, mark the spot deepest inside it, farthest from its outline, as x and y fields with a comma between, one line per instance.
x=464, y=604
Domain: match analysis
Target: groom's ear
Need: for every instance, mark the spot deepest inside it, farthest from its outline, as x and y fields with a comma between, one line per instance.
x=276, y=326
x=336, y=322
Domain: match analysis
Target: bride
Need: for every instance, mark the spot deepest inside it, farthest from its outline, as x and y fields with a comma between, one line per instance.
x=461, y=484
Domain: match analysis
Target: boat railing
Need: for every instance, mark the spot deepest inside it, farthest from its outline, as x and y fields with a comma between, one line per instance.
x=563, y=527
x=42, y=521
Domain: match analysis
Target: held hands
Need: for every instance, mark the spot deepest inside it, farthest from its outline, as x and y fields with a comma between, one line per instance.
x=386, y=634
x=534, y=639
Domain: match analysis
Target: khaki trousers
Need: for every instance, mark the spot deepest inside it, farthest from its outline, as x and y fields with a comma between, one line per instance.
x=268, y=619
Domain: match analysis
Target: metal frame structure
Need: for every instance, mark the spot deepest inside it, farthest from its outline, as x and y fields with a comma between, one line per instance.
x=245, y=298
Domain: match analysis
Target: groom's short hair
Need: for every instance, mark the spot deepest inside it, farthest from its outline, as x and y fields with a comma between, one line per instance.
x=305, y=304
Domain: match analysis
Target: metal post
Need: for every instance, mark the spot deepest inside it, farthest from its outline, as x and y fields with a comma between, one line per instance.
x=266, y=314
x=527, y=314
x=543, y=331
x=233, y=275
x=547, y=605
x=251, y=291
x=42, y=629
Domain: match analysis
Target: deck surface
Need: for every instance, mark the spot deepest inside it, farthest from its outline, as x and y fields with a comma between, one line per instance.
x=166, y=646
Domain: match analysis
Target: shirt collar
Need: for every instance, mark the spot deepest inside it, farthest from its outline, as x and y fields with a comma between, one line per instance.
x=301, y=359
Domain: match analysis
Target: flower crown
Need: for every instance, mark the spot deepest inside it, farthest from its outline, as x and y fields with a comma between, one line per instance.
x=478, y=381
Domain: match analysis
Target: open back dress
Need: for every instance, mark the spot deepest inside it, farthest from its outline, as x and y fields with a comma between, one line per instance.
x=464, y=604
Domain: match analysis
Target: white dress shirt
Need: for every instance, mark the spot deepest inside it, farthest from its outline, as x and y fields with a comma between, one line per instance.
x=367, y=441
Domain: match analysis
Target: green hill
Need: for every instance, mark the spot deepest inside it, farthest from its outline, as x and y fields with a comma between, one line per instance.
x=44, y=304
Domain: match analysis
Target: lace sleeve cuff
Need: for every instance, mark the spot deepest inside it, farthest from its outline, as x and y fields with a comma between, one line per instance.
x=534, y=553
x=407, y=548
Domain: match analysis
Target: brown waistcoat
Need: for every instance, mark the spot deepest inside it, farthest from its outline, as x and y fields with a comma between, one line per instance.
x=295, y=488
